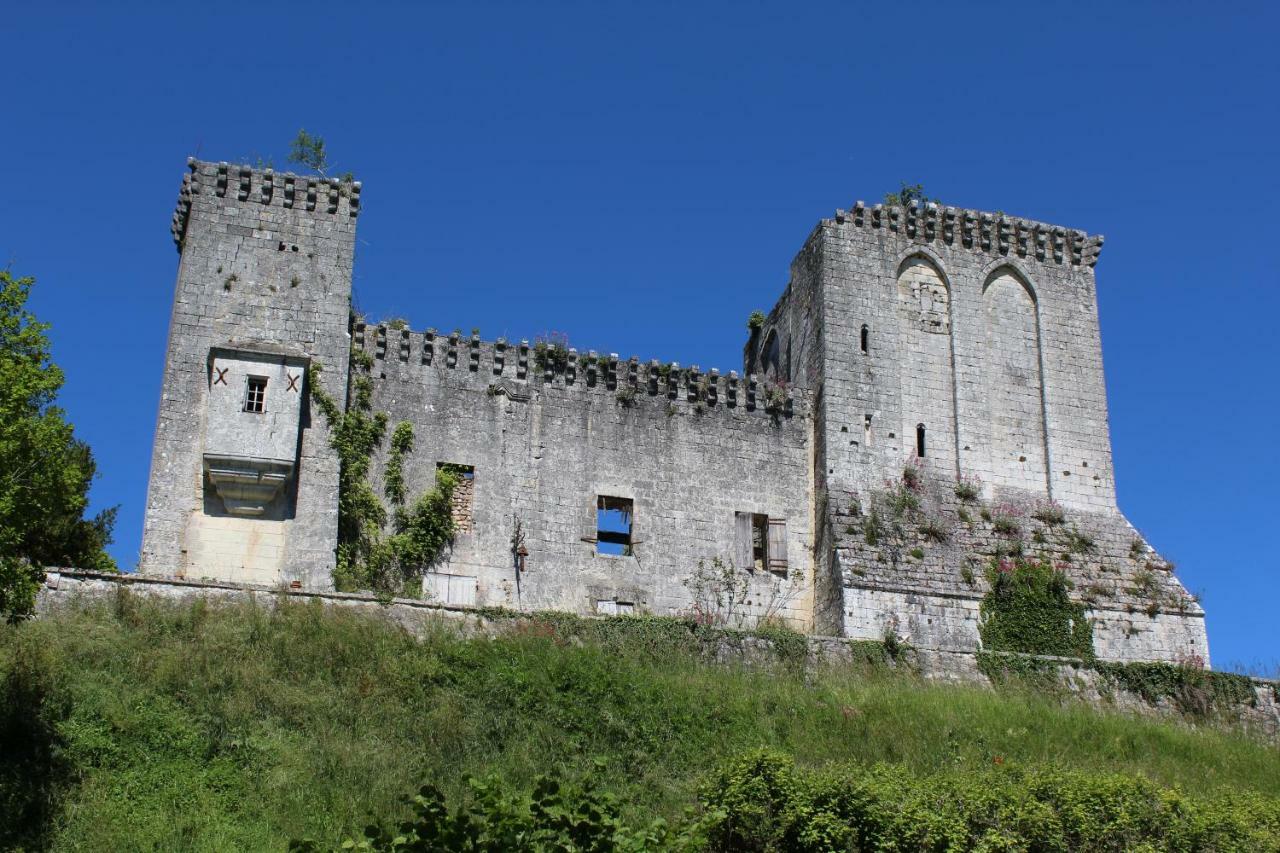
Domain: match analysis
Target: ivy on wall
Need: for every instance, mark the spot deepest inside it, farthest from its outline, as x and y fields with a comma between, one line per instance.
x=1193, y=690
x=1028, y=610
x=368, y=557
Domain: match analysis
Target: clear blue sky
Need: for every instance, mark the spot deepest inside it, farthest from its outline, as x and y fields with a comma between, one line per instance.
x=639, y=176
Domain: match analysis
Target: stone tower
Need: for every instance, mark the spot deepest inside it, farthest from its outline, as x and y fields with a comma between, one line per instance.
x=964, y=345
x=243, y=484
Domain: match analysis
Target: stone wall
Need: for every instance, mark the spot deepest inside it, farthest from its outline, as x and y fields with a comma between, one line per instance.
x=265, y=269
x=70, y=588
x=972, y=337
x=961, y=343
x=548, y=435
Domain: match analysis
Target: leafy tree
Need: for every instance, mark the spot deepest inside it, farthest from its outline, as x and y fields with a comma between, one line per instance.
x=308, y=150
x=45, y=471
x=909, y=196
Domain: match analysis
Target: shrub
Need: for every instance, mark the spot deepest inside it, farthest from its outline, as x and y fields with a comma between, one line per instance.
x=1049, y=512
x=1078, y=542
x=551, y=353
x=911, y=476
x=1005, y=525
x=967, y=489
x=1028, y=610
x=934, y=530
x=763, y=802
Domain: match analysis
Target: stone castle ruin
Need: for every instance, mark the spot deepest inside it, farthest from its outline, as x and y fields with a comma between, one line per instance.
x=923, y=408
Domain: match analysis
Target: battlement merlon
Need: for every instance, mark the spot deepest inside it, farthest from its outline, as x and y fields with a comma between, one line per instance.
x=502, y=360
x=315, y=194
x=994, y=233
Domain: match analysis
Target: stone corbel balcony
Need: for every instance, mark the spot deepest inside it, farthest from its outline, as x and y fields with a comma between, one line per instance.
x=247, y=486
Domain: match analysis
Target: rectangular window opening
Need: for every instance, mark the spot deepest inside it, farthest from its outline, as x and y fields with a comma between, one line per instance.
x=615, y=607
x=463, y=498
x=255, y=394
x=613, y=525
x=761, y=543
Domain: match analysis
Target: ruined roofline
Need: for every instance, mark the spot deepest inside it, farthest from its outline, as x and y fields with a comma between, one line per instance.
x=519, y=360
x=244, y=183
x=995, y=233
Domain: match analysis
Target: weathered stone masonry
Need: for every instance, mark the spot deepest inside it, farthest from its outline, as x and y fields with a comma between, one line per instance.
x=962, y=343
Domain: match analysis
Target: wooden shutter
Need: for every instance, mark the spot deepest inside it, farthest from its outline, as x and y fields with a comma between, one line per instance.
x=462, y=590
x=777, y=545
x=743, y=556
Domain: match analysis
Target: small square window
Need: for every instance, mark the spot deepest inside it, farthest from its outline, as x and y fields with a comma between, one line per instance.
x=255, y=394
x=613, y=525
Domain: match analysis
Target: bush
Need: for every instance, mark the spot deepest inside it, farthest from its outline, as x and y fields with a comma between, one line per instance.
x=762, y=802
x=1028, y=610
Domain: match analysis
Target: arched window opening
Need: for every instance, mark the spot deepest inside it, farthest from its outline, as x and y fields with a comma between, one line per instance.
x=866, y=335
x=920, y=440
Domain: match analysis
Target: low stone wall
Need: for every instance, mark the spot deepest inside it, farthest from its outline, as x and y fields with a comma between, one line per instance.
x=1258, y=712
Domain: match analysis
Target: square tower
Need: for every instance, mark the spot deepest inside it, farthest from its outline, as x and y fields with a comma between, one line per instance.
x=960, y=421
x=243, y=484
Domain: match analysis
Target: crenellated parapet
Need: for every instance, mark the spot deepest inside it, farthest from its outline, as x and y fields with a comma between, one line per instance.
x=316, y=195
x=506, y=365
x=991, y=233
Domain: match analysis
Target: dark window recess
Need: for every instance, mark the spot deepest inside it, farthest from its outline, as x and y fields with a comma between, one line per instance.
x=920, y=440
x=613, y=525
x=760, y=542
x=866, y=334
x=255, y=394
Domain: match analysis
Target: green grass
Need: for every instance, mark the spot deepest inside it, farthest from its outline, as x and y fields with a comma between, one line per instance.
x=141, y=725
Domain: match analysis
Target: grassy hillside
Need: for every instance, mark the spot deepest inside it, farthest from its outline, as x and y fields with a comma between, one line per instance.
x=141, y=725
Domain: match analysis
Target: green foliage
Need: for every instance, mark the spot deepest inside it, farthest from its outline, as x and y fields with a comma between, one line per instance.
x=551, y=353
x=494, y=820
x=1028, y=610
x=134, y=724
x=626, y=396
x=308, y=150
x=1078, y=542
x=1193, y=690
x=763, y=802
x=873, y=528
x=45, y=471
x=1007, y=526
x=967, y=489
x=909, y=196
x=1037, y=673
x=368, y=556
x=393, y=476
x=755, y=322
x=902, y=501
x=1049, y=512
